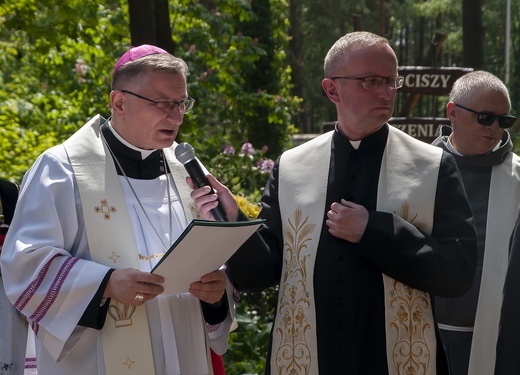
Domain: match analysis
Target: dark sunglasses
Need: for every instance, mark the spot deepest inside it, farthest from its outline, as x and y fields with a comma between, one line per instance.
x=487, y=119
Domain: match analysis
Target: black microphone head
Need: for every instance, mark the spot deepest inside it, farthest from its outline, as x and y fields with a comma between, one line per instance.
x=184, y=153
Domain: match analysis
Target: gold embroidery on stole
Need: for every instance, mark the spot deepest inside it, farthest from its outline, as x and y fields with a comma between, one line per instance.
x=293, y=356
x=294, y=345
x=405, y=214
x=121, y=313
x=412, y=320
x=105, y=209
x=411, y=354
x=407, y=188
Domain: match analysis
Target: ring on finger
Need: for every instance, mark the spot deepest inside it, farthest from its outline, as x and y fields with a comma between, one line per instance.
x=139, y=297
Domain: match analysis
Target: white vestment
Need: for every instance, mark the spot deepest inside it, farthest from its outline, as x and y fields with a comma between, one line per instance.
x=49, y=275
x=13, y=334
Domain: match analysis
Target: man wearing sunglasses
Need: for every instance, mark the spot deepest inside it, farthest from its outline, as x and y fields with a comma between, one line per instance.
x=478, y=109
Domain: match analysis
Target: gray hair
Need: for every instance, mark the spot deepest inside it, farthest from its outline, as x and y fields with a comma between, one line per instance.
x=133, y=72
x=337, y=57
x=465, y=87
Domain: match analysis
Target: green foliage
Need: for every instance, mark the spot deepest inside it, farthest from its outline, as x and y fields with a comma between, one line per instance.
x=219, y=54
x=244, y=172
x=57, y=73
x=247, y=344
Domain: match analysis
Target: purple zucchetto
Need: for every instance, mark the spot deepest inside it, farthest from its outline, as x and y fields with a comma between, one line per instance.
x=135, y=53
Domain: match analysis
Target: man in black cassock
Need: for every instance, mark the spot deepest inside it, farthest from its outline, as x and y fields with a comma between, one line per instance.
x=362, y=225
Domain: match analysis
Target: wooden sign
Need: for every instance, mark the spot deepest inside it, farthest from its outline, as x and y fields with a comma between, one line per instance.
x=425, y=129
x=430, y=81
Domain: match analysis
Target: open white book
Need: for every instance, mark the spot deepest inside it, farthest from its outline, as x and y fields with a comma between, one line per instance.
x=204, y=246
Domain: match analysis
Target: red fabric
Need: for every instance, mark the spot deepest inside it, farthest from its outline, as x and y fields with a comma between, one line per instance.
x=218, y=364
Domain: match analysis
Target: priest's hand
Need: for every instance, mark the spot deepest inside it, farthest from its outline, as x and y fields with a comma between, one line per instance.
x=132, y=287
x=347, y=220
x=210, y=288
x=206, y=202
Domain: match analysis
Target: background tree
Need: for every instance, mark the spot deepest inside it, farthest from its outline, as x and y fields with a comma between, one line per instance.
x=150, y=23
x=56, y=73
x=472, y=34
x=410, y=25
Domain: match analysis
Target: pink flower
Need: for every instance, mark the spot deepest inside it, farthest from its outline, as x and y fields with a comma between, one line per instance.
x=229, y=150
x=265, y=165
x=247, y=149
x=81, y=68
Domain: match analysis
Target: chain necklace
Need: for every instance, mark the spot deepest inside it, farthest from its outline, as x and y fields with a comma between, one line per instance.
x=170, y=228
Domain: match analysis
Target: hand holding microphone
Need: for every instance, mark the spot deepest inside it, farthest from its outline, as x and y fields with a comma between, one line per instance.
x=186, y=155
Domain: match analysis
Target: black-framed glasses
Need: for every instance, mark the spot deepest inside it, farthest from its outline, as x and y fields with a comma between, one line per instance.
x=487, y=119
x=185, y=105
x=373, y=82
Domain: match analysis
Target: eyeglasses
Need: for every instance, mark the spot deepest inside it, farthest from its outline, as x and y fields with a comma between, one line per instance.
x=487, y=119
x=185, y=105
x=372, y=82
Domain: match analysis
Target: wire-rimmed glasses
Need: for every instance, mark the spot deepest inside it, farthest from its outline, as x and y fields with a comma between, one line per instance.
x=185, y=105
x=372, y=82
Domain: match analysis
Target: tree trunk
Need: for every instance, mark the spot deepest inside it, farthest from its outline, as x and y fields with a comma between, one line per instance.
x=472, y=34
x=302, y=119
x=150, y=23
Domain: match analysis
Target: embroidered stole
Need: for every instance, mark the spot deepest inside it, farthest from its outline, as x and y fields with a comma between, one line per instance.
x=127, y=346
x=504, y=196
x=407, y=188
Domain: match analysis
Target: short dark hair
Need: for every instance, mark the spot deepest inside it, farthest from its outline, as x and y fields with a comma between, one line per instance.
x=133, y=71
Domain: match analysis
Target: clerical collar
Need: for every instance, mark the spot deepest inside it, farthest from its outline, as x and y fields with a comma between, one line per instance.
x=131, y=159
x=372, y=141
x=144, y=153
x=354, y=144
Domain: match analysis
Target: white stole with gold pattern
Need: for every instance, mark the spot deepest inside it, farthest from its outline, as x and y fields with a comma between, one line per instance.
x=294, y=345
x=504, y=197
x=407, y=187
x=126, y=338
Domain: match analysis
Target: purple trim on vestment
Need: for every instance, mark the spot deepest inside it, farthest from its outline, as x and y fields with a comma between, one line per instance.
x=213, y=327
x=50, y=298
x=30, y=362
x=33, y=286
x=35, y=327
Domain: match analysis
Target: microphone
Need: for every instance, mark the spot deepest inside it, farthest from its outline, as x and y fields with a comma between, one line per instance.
x=185, y=154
